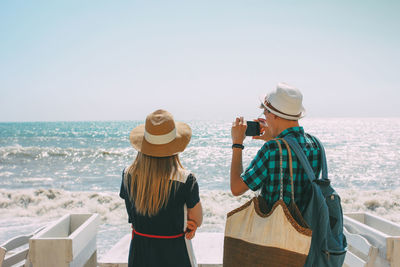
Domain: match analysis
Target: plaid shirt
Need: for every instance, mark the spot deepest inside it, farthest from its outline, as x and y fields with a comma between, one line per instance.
x=263, y=172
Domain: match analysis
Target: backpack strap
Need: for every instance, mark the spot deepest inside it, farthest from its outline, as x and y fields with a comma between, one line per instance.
x=324, y=169
x=302, y=158
x=290, y=166
x=281, y=168
x=304, y=161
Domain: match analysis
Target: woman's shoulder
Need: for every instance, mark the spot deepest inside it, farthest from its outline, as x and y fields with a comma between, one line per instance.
x=125, y=177
x=183, y=176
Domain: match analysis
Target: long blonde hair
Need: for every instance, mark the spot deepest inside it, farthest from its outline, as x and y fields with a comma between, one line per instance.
x=149, y=180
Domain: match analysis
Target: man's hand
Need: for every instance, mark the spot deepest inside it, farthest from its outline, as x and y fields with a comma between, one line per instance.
x=264, y=130
x=238, y=131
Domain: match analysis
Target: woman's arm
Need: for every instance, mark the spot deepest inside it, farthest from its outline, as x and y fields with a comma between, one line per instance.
x=195, y=218
x=196, y=214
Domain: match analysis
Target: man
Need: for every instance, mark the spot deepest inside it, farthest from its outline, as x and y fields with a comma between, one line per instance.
x=282, y=109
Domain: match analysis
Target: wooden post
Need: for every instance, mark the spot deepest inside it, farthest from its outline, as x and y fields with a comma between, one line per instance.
x=393, y=251
x=70, y=241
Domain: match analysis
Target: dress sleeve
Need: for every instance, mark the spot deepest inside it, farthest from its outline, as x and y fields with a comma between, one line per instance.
x=124, y=195
x=191, y=191
x=122, y=192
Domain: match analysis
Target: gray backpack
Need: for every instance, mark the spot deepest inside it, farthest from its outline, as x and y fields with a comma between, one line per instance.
x=323, y=214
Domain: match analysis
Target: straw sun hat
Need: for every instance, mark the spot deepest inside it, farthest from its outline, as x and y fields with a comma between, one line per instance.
x=285, y=102
x=160, y=136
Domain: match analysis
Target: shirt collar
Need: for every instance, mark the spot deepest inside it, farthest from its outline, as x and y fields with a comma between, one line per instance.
x=292, y=130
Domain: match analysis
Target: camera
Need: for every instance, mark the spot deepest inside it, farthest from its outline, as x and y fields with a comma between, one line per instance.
x=253, y=128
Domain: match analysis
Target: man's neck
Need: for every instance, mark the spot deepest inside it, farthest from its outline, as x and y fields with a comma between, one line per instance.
x=286, y=124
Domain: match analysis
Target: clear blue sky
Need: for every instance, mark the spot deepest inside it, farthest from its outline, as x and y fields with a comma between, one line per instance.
x=120, y=60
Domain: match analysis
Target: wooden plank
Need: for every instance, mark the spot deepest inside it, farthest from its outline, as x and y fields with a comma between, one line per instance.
x=50, y=251
x=352, y=260
x=358, y=242
x=382, y=225
x=52, y=247
x=208, y=248
x=8, y=256
x=393, y=251
x=378, y=232
x=82, y=259
x=16, y=242
x=16, y=258
x=375, y=237
x=118, y=255
x=86, y=231
x=359, y=216
x=59, y=228
x=3, y=252
x=77, y=220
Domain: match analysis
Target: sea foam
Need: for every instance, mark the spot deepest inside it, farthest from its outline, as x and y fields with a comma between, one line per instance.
x=53, y=203
x=25, y=210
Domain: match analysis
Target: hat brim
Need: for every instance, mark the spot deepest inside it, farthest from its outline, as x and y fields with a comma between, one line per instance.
x=182, y=139
x=284, y=116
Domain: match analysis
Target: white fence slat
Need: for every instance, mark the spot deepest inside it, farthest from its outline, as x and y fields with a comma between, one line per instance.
x=352, y=260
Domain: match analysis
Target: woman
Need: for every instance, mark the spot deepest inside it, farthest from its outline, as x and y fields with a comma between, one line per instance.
x=161, y=197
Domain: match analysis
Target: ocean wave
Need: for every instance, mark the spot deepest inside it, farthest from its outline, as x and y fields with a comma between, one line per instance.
x=5, y=174
x=10, y=153
x=48, y=204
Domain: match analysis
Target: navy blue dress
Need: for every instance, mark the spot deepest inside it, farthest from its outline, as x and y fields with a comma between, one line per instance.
x=170, y=221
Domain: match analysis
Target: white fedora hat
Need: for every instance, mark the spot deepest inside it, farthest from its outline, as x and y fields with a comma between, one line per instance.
x=285, y=102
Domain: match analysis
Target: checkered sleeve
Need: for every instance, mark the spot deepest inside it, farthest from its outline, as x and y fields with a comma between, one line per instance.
x=256, y=172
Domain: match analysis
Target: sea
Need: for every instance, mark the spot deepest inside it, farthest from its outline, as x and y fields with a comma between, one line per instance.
x=49, y=169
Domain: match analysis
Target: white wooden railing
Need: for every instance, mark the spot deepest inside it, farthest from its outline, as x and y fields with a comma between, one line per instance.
x=69, y=241
x=372, y=241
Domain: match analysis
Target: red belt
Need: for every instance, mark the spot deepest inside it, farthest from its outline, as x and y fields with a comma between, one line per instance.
x=134, y=232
